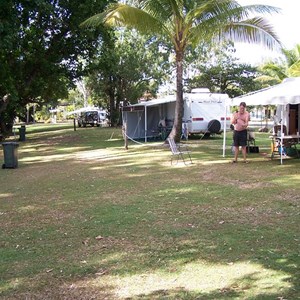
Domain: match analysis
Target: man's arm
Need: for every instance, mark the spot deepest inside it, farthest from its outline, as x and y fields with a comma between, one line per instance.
x=234, y=118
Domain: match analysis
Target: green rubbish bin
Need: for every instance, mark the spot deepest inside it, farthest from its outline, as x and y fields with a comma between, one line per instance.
x=10, y=150
x=22, y=133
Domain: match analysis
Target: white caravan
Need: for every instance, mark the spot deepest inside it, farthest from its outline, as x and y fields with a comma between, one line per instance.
x=204, y=113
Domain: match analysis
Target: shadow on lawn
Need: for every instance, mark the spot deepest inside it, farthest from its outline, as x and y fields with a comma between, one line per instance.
x=164, y=231
x=181, y=293
x=230, y=292
x=251, y=285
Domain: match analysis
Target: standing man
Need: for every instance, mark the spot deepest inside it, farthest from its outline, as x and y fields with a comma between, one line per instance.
x=240, y=120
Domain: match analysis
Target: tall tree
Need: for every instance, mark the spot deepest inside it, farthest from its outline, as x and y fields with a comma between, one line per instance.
x=288, y=66
x=293, y=61
x=127, y=66
x=185, y=22
x=220, y=71
x=41, y=50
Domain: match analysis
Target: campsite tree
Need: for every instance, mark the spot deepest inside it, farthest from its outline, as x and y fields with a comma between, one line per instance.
x=41, y=51
x=185, y=22
x=293, y=61
x=127, y=66
x=218, y=69
x=288, y=66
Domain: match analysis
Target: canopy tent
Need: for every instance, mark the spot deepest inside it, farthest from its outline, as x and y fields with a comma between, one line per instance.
x=287, y=92
x=142, y=118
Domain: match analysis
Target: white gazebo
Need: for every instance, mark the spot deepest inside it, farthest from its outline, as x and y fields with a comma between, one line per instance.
x=282, y=95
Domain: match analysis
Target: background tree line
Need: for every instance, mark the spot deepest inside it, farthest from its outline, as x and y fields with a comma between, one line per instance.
x=44, y=52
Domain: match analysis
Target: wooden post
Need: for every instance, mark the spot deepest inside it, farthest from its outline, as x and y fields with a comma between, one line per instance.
x=74, y=123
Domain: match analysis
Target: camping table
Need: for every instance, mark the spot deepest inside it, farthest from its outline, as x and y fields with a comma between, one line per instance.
x=288, y=141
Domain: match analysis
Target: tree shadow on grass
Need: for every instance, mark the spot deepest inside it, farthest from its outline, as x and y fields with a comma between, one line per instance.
x=233, y=291
x=172, y=222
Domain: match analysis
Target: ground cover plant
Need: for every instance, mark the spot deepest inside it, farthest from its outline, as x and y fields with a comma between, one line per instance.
x=83, y=218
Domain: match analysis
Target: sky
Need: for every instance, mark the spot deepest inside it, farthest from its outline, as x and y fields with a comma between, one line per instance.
x=285, y=25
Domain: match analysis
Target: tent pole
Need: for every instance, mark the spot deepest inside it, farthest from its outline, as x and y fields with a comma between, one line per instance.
x=224, y=130
x=282, y=133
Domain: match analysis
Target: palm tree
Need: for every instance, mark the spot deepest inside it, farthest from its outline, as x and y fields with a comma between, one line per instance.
x=275, y=71
x=189, y=22
x=293, y=61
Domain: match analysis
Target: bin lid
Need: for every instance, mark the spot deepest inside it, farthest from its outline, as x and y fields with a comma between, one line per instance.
x=10, y=143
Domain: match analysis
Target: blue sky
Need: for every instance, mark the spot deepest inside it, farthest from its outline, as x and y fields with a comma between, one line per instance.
x=285, y=25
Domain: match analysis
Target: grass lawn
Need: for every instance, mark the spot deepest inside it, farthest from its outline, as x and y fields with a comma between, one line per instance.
x=82, y=218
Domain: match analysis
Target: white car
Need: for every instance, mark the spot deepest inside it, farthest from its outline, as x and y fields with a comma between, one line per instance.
x=93, y=118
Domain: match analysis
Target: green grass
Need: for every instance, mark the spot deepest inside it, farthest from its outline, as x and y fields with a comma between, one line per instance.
x=82, y=218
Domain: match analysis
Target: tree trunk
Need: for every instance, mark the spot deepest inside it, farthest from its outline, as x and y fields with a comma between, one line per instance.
x=4, y=102
x=112, y=109
x=177, y=126
x=4, y=130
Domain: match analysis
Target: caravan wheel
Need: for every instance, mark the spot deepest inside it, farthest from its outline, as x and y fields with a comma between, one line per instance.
x=214, y=126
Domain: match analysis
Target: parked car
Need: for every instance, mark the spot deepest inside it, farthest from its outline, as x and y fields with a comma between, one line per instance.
x=92, y=117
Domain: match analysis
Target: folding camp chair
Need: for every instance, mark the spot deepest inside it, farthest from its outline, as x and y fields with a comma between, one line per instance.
x=178, y=150
x=251, y=147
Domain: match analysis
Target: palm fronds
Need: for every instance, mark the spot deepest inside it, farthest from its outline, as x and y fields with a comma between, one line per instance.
x=119, y=15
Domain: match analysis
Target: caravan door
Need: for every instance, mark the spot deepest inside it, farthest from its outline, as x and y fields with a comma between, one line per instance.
x=293, y=119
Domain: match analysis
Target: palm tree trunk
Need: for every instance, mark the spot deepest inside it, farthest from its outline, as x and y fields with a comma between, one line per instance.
x=177, y=126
